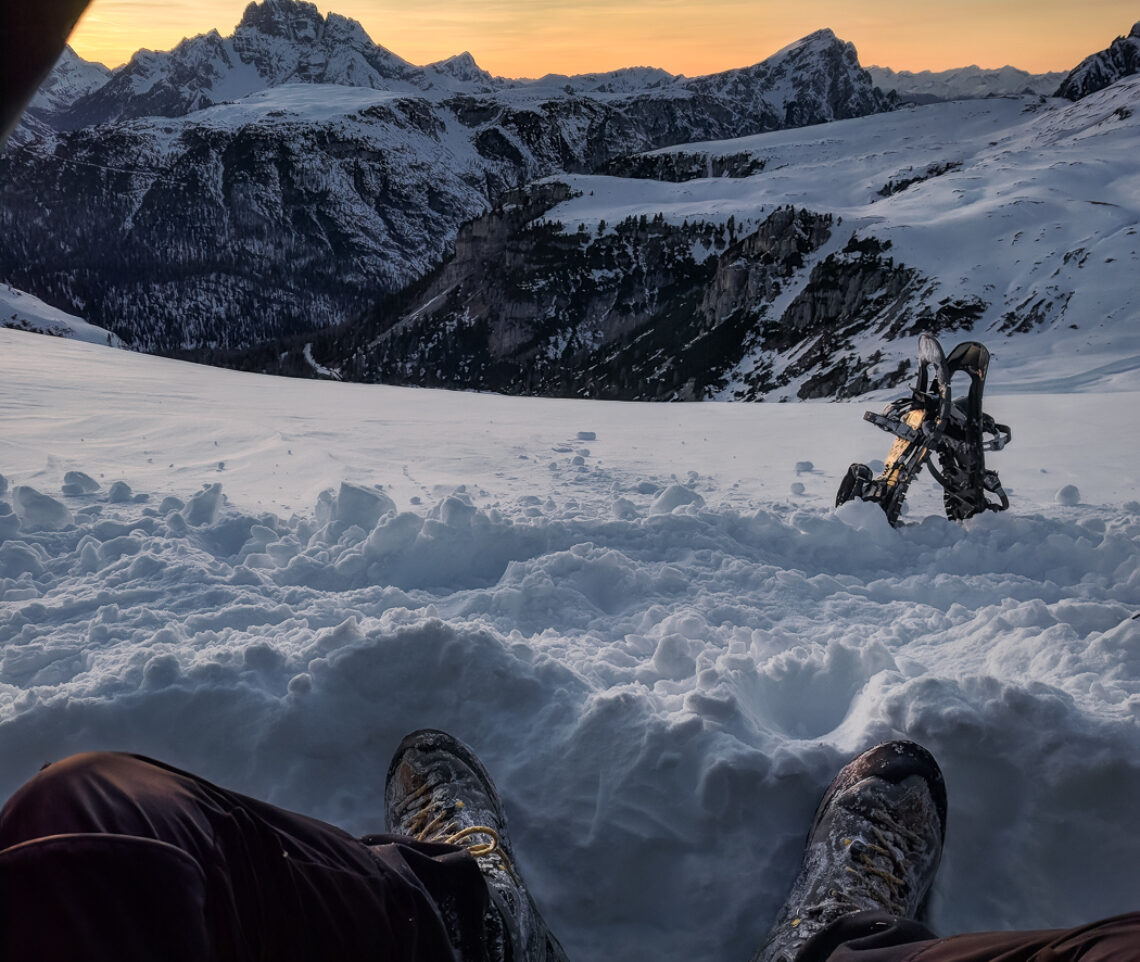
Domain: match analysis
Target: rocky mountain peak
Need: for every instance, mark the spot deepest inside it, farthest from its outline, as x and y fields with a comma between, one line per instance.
x=819, y=38
x=463, y=67
x=294, y=20
x=1121, y=59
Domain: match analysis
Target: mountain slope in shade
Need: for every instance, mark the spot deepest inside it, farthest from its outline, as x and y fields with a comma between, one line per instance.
x=1121, y=59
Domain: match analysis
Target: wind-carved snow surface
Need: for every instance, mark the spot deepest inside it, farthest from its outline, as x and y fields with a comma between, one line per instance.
x=661, y=654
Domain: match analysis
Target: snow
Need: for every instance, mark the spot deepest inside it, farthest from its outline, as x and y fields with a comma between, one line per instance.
x=295, y=102
x=660, y=652
x=20, y=310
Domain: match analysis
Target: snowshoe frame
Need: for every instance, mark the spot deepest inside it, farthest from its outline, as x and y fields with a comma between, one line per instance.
x=932, y=422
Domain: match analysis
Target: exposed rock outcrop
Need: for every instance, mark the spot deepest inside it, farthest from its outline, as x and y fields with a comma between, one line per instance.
x=1121, y=59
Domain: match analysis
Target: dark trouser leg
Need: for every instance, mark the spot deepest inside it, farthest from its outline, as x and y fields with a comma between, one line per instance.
x=98, y=851
x=878, y=937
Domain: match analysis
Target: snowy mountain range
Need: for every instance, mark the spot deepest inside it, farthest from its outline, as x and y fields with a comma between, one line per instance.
x=234, y=197
x=239, y=189
x=928, y=86
x=789, y=265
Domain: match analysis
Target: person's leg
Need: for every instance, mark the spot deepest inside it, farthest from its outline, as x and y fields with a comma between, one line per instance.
x=876, y=937
x=102, y=898
x=124, y=842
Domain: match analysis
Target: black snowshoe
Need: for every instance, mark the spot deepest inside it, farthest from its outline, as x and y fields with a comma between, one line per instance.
x=930, y=421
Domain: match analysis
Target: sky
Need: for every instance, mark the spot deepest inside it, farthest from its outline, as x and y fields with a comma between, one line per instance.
x=529, y=38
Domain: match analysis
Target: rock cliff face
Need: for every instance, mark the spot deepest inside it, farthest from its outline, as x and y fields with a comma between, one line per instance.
x=1121, y=59
x=645, y=310
x=278, y=180
x=640, y=310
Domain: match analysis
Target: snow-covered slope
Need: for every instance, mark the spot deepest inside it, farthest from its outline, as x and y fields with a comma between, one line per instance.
x=1015, y=219
x=24, y=312
x=661, y=652
x=71, y=79
x=963, y=83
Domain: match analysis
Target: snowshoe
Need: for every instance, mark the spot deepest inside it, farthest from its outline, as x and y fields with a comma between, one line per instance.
x=930, y=421
x=969, y=434
x=917, y=422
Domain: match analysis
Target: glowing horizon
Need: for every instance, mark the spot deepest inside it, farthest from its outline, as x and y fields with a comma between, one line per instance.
x=529, y=38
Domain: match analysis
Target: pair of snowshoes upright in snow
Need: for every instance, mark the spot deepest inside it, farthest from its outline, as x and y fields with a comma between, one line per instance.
x=932, y=422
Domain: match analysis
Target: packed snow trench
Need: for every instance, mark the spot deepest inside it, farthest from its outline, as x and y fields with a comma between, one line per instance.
x=648, y=620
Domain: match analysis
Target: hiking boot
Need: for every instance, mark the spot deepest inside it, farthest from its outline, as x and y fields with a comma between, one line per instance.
x=874, y=845
x=438, y=791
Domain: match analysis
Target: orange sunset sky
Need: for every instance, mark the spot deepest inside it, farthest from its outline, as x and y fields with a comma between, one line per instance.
x=528, y=38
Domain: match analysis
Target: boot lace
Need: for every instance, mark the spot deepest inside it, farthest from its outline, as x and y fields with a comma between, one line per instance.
x=432, y=819
x=867, y=857
x=886, y=847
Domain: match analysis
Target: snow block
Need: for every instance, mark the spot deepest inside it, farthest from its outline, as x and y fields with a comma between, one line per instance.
x=120, y=493
x=625, y=509
x=675, y=496
x=76, y=482
x=38, y=511
x=9, y=523
x=1069, y=496
x=16, y=558
x=3, y=484
x=393, y=536
x=203, y=506
x=361, y=506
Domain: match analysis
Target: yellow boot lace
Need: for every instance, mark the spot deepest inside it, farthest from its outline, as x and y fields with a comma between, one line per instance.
x=435, y=822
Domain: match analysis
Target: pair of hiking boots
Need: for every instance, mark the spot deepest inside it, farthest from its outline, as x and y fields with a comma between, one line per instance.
x=875, y=842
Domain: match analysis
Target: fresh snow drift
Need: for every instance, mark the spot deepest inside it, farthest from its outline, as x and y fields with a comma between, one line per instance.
x=660, y=652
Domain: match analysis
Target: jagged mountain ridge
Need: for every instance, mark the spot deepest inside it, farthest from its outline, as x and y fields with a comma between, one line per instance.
x=1012, y=219
x=292, y=207
x=276, y=42
x=1121, y=59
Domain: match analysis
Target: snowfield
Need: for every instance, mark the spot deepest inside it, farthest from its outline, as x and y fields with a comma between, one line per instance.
x=660, y=650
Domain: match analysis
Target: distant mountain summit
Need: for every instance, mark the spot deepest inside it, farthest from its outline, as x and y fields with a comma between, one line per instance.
x=1121, y=59
x=963, y=83
x=276, y=42
x=71, y=79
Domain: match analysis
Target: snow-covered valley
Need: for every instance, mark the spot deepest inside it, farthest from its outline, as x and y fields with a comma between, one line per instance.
x=660, y=650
